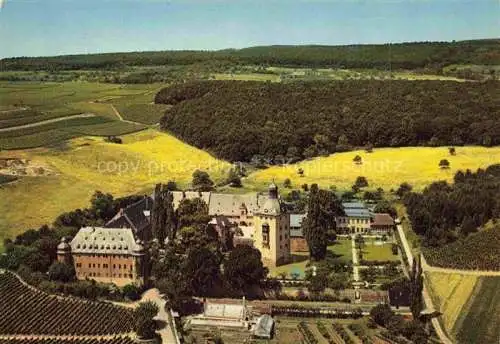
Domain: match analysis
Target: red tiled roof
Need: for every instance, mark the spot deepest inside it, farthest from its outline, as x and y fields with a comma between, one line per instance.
x=382, y=220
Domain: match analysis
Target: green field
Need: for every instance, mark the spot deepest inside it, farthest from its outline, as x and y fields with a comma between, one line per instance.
x=29, y=103
x=342, y=248
x=481, y=322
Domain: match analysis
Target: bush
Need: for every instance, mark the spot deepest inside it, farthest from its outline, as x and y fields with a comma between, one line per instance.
x=61, y=272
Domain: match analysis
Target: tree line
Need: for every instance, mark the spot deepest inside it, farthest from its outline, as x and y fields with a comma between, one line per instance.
x=444, y=212
x=428, y=55
x=277, y=123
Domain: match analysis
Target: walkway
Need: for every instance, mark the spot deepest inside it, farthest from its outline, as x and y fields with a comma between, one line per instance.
x=167, y=333
x=355, y=261
x=53, y=120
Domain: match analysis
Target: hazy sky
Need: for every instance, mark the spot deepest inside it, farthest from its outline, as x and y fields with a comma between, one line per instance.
x=51, y=27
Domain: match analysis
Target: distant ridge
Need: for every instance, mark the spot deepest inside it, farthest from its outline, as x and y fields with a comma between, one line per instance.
x=411, y=55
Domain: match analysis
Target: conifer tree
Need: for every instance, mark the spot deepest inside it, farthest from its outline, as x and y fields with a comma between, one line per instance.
x=416, y=287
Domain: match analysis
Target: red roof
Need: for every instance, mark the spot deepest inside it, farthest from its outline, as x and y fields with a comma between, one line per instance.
x=382, y=220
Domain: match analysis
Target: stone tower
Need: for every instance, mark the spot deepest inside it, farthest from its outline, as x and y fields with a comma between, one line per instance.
x=272, y=230
x=64, y=251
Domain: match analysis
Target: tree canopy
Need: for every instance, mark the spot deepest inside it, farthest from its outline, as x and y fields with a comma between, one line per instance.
x=319, y=118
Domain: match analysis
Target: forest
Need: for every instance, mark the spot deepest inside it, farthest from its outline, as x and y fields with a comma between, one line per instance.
x=275, y=122
x=418, y=55
x=444, y=212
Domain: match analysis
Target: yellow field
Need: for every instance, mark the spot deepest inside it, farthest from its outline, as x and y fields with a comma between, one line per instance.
x=450, y=293
x=90, y=164
x=385, y=167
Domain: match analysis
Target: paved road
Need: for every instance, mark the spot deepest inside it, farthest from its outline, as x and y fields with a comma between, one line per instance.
x=166, y=333
x=427, y=298
x=53, y=120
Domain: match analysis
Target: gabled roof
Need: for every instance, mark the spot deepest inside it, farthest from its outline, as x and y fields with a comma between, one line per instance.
x=382, y=220
x=133, y=216
x=224, y=204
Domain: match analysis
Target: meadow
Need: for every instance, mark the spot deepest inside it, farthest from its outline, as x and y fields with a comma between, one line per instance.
x=450, y=294
x=385, y=167
x=86, y=164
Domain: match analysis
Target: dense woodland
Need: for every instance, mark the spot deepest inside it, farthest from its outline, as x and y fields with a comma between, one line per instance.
x=238, y=120
x=428, y=55
x=444, y=212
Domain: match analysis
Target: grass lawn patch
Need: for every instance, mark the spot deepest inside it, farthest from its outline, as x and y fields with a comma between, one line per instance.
x=343, y=249
x=378, y=250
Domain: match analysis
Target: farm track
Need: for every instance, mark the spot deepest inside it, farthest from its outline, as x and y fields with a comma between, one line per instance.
x=53, y=120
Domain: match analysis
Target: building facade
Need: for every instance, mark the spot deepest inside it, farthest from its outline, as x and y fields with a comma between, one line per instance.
x=357, y=219
x=106, y=255
x=256, y=219
x=298, y=241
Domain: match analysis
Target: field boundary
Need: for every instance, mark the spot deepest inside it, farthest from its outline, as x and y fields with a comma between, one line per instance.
x=53, y=120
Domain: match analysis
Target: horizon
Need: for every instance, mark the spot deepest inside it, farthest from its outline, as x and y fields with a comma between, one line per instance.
x=57, y=27
x=250, y=47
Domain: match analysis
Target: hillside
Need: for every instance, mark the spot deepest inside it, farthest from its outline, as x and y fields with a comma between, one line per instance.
x=72, y=174
x=430, y=55
x=385, y=167
x=277, y=123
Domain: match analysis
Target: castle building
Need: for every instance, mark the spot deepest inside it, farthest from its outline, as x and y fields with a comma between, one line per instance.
x=272, y=230
x=106, y=255
x=256, y=218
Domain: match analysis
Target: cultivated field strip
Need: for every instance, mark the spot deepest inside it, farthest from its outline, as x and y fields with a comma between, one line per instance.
x=24, y=310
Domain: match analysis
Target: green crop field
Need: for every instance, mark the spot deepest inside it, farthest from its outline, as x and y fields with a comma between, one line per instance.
x=27, y=105
x=481, y=322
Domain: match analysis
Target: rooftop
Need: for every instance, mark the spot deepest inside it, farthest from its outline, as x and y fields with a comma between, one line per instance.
x=103, y=240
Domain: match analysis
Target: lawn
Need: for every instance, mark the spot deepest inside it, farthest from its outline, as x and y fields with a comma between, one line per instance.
x=376, y=250
x=450, y=293
x=87, y=164
x=385, y=167
x=342, y=247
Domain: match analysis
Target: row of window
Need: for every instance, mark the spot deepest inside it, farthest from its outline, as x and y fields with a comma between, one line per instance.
x=94, y=274
x=349, y=220
x=105, y=266
x=107, y=256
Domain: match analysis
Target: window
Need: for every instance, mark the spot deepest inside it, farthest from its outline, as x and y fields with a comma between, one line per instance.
x=99, y=266
x=265, y=234
x=93, y=265
x=78, y=265
x=90, y=265
x=114, y=266
x=119, y=266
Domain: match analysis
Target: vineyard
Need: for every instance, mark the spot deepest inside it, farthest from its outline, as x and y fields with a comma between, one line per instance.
x=25, y=310
x=479, y=251
x=117, y=340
